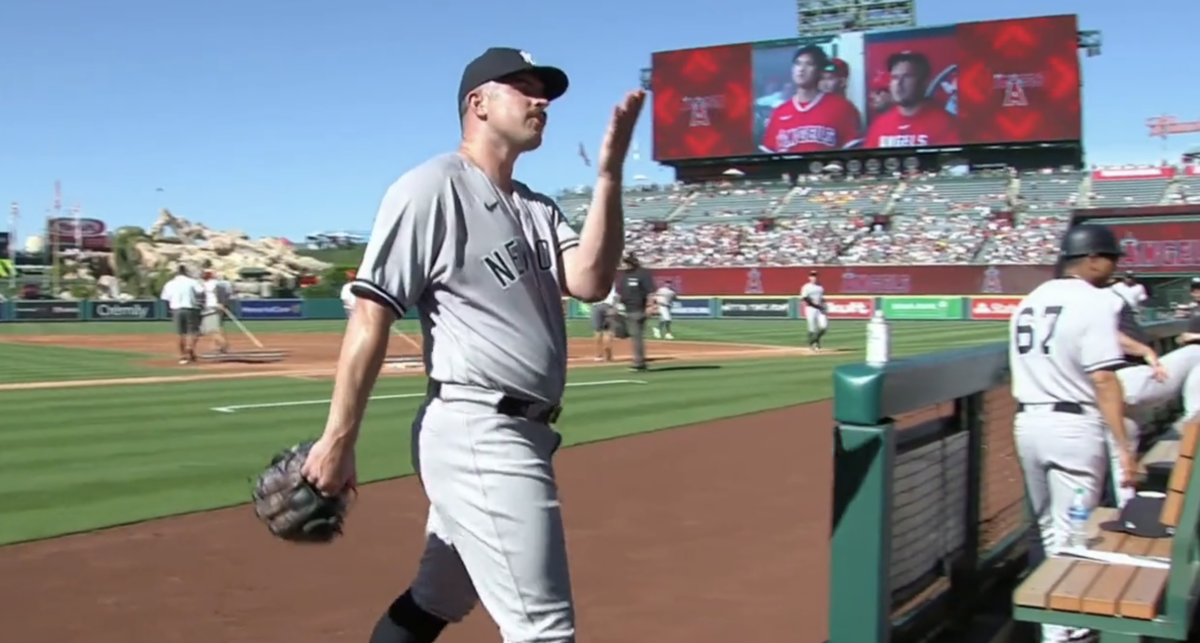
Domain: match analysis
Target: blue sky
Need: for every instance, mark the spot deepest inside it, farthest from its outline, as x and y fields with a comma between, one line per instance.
x=283, y=118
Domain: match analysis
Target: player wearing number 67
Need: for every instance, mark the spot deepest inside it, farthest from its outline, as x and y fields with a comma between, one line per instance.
x=1064, y=349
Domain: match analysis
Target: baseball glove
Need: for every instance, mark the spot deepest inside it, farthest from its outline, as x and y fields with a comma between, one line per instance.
x=291, y=507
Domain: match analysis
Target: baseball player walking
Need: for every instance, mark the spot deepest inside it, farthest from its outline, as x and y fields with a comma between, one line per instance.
x=485, y=260
x=1064, y=347
x=813, y=295
x=664, y=298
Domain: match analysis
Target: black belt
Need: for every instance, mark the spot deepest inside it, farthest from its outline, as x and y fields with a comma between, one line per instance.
x=535, y=411
x=1074, y=408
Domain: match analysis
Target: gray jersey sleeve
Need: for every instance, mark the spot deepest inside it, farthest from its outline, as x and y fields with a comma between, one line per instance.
x=567, y=236
x=405, y=240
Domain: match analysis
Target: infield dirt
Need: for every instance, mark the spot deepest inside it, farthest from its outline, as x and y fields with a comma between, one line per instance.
x=313, y=355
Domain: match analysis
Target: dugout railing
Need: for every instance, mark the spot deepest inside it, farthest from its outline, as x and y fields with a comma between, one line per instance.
x=928, y=504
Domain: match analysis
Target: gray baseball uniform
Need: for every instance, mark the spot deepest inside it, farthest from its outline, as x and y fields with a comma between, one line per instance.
x=1144, y=394
x=483, y=269
x=1062, y=332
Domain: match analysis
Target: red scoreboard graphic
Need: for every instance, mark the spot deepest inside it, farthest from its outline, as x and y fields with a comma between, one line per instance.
x=968, y=84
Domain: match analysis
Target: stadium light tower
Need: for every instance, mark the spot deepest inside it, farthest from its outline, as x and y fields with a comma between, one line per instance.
x=832, y=17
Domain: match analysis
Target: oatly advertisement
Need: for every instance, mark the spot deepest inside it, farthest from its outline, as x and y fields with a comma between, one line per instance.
x=857, y=280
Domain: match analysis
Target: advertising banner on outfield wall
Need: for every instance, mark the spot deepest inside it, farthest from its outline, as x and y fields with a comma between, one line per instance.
x=692, y=308
x=845, y=308
x=873, y=281
x=271, y=309
x=47, y=310
x=124, y=310
x=900, y=308
x=755, y=308
x=992, y=308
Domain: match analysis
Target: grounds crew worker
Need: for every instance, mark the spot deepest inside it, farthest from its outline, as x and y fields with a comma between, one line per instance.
x=636, y=287
x=212, y=319
x=182, y=294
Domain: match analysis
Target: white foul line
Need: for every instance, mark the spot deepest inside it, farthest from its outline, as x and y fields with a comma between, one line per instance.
x=400, y=396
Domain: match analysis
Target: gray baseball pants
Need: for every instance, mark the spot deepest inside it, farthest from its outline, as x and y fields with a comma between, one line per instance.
x=494, y=532
x=1144, y=394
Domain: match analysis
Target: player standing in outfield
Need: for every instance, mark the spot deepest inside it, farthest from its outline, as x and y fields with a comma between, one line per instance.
x=348, y=298
x=813, y=295
x=182, y=294
x=914, y=120
x=811, y=121
x=664, y=298
x=485, y=260
x=1063, y=349
x=217, y=294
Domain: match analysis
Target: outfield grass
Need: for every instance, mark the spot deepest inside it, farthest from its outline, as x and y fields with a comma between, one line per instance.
x=79, y=459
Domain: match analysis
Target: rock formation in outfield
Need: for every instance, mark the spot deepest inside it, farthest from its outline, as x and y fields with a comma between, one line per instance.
x=142, y=259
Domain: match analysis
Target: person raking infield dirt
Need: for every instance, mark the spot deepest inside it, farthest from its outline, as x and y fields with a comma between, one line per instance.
x=485, y=260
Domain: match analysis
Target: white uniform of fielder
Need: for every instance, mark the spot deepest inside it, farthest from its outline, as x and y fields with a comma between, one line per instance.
x=1062, y=332
x=348, y=299
x=665, y=298
x=813, y=295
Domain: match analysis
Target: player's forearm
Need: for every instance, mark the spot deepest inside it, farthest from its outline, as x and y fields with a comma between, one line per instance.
x=363, y=350
x=1110, y=399
x=593, y=266
x=1131, y=346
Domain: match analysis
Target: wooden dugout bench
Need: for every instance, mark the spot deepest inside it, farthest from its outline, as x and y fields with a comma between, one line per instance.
x=1126, y=603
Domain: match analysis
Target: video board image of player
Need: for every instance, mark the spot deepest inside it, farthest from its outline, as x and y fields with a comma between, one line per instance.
x=808, y=95
x=913, y=94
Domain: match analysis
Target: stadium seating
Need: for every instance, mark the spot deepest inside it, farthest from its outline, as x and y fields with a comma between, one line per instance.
x=938, y=195
x=1128, y=192
x=1187, y=189
x=931, y=218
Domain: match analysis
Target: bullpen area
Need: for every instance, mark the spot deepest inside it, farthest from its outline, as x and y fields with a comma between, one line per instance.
x=716, y=530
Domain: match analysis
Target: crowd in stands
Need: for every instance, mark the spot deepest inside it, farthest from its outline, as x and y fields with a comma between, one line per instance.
x=995, y=217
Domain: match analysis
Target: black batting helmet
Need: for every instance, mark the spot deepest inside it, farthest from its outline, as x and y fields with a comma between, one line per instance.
x=1089, y=240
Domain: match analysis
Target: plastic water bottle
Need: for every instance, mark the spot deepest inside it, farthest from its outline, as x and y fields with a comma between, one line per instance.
x=1079, y=514
x=878, y=340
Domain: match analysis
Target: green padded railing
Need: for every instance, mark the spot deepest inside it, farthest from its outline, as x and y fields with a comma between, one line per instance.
x=872, y=458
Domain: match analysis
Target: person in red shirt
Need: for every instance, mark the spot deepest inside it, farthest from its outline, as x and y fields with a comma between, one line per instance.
x=913, y=120
x=833, y=81
x=812, y=121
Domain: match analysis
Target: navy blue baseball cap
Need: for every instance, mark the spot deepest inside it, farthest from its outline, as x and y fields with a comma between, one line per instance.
x=499, y=62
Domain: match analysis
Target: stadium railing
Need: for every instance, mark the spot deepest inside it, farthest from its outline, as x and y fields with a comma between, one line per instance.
x=929, y=506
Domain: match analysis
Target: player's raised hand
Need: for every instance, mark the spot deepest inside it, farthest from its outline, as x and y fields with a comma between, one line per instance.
x=619, y=135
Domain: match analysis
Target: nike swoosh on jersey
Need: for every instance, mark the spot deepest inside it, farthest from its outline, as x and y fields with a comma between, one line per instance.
x=903, y=126
x=491, y=206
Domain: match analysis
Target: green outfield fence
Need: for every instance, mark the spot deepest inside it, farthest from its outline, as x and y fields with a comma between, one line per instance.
x=929, y=507
x=898, y=308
